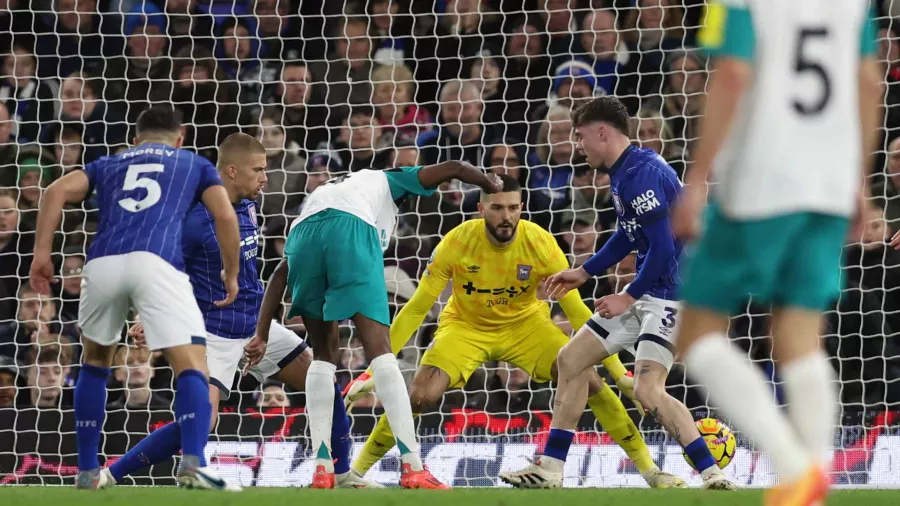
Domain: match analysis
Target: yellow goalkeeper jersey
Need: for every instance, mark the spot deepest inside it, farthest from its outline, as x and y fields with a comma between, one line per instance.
x=493, y=286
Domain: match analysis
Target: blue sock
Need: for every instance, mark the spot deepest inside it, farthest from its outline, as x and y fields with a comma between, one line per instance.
x=699, y=454
x=90, y=409
x=558, y=443
x=160, y=445
x=193, y=412
x=340, y=434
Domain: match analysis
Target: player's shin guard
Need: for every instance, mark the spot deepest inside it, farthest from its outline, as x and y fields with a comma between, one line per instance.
x=613, y=417
x=160, y=445
x=380, y=441
x=739, y=390
x=320, y=406
x=90, y=408
x=395, y=398
x=193, y=412
x=340, y=434
x=812, y=402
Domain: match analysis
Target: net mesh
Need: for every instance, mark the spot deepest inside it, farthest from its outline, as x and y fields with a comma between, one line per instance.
x=333, y=86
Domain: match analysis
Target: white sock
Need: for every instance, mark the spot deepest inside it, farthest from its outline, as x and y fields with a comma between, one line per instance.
x=395, y=398
x=739, y=390
x=320, y=409
x=812, y=402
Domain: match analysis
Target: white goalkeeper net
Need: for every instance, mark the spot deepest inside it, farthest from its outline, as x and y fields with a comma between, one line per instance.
x=329, y=88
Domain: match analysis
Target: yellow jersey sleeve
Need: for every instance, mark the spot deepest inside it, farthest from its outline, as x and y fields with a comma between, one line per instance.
x=410, y=318
x=440, y=267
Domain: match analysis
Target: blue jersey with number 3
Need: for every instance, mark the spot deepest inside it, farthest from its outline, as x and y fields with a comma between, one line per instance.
x=144, y=195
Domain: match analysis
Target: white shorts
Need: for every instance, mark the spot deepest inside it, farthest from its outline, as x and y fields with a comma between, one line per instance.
x=160, y=293
x=223, y=356
x=647, y=329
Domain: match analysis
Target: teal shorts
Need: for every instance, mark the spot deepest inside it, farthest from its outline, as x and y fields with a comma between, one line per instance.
x=793, y=260
x=336, y=268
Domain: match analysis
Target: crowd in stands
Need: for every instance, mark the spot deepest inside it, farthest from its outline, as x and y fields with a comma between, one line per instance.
x=330, y=87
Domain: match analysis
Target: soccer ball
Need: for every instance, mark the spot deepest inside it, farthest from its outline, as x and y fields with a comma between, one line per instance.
x=719, y=439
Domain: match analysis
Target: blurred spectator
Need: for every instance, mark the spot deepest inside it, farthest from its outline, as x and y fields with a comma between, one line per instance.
x=590, y=195
x=486, y=73
x=271, y=394
x=652, y=30
x=15, y=259
x=140, y=77
x=133, y=369
x=70, y=294
x=358, y=143
x=186, y=26
x=651, y=131
x=348, y=71
x=887, y=191
x=283, y=193
x=403, y=155
x=32, y=181
x=104, y=127
x=33, y=317
x=392, y=43
x=504, y=160
x=207, y=102
x=549, y=182
x=9, y=373
x=8, y=147
x=304, y=118
x=608, y=54
x=393, y=92
x=69, y=146
x=461, y=135
x=685, y=96
x=573, y=84
x=74, y=37
x=322, y=166
x=238, y=55
x=874, y=266
x=514, y=393
x=559, y=23
x=32, y=99
x=49, y=363
x=278, y=29
x=581, y=233
x=527, y=78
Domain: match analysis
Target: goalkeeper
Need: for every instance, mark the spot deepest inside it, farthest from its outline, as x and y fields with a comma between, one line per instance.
x=496, y=265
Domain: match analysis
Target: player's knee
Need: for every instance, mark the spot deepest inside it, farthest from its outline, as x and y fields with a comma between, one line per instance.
x=422, y=398
x=567, y=363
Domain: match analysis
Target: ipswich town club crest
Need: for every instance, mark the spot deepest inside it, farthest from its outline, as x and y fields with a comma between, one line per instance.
x=523, y=272
x=617, y=203
x=252, y=211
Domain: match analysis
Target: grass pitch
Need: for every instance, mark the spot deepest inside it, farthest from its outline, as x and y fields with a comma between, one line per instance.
x=169, y=496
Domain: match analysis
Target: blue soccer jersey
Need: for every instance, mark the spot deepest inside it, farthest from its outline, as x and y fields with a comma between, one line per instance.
x=203, y=262
x=643, y=187
x=143, y=196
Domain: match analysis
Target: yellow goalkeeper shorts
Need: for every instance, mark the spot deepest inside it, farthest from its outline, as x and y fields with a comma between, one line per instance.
x=459, y=349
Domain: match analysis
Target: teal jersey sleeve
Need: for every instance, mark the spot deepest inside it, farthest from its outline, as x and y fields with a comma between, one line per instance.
x=728, y=30
x=404, y=181
x=869, y=34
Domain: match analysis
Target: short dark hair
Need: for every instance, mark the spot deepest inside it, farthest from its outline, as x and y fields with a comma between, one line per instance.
x=607, y=109
x=160, y=118
x=510, y=184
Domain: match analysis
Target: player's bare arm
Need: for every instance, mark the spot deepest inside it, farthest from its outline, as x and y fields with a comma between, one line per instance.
x=215, y=198
x=71, y=188
x=271, y=302
x=727, y=85
x=432, y=176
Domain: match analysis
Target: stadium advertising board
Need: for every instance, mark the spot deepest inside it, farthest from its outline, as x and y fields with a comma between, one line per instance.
x=270, y=449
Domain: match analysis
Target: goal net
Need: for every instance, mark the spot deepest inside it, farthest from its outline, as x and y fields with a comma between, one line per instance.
x=330, y=87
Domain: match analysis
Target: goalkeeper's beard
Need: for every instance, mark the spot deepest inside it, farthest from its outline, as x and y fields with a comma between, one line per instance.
x=495, y=231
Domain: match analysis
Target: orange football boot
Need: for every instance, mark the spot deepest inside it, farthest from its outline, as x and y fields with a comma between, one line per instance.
x=420, y=479
x=322, y=478
x=809, y=490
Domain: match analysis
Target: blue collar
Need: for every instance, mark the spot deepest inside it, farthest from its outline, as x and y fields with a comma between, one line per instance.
x=621, y=160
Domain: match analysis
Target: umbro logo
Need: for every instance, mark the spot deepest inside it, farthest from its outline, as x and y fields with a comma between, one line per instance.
x=473, y=269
